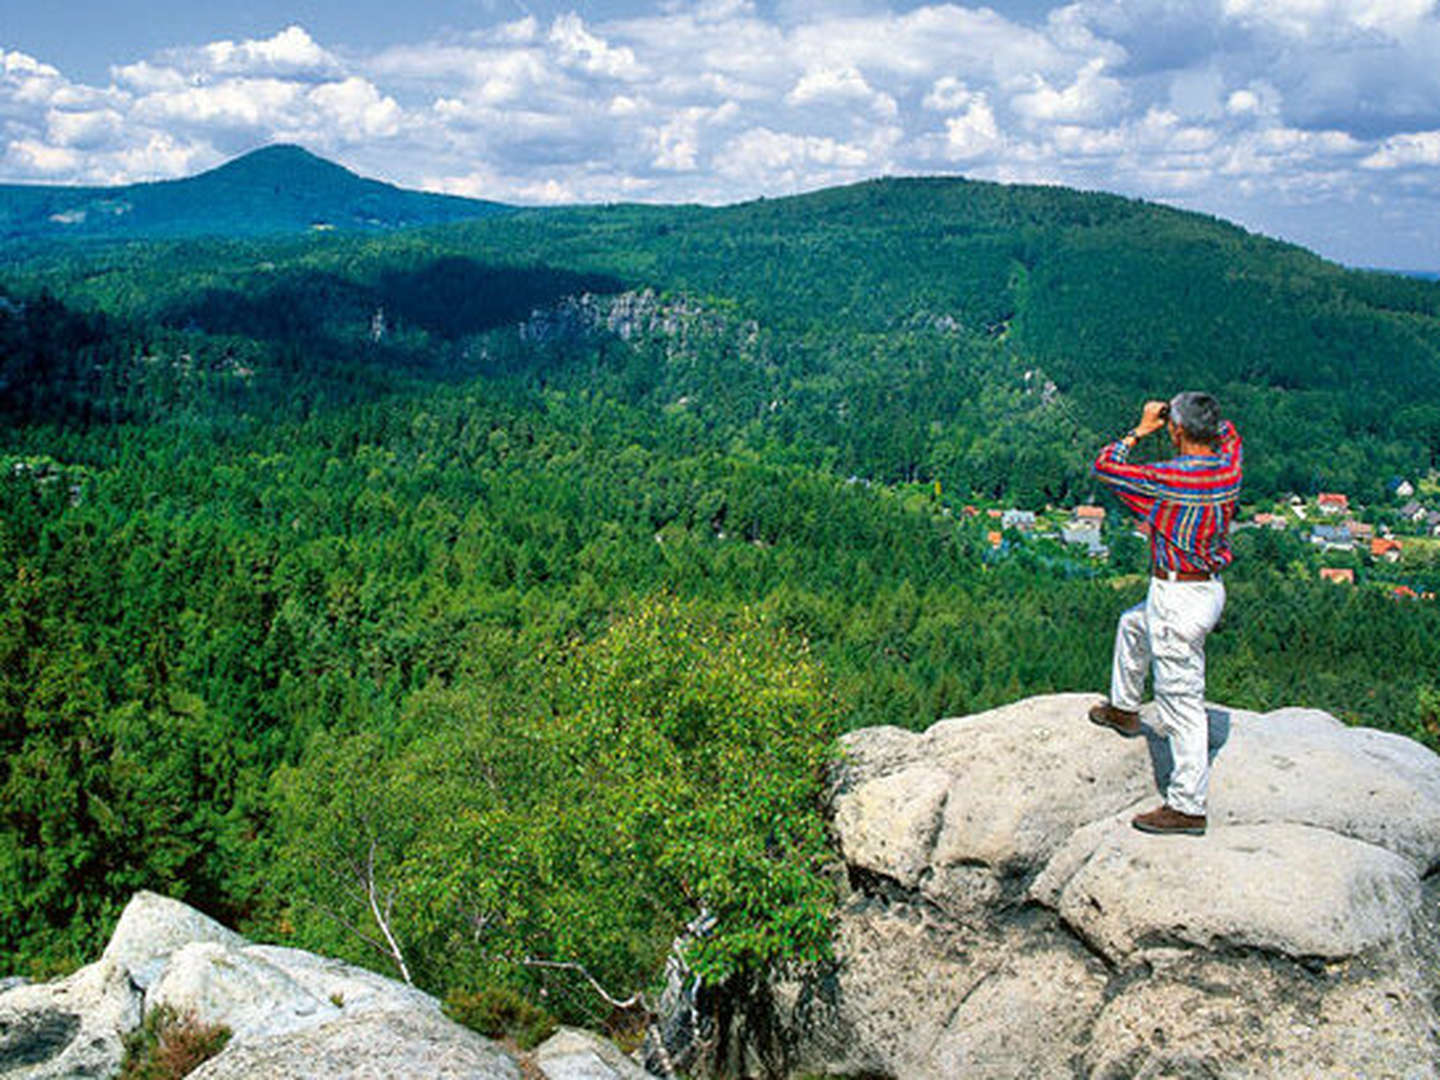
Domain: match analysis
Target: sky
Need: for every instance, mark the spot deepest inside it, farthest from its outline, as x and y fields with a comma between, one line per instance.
x=1314, y=121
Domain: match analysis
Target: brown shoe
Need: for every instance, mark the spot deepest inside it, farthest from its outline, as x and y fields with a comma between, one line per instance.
x=1124, y=721
x=1165, y=820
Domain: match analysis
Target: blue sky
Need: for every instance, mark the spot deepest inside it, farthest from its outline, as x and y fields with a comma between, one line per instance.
x=1316, y=121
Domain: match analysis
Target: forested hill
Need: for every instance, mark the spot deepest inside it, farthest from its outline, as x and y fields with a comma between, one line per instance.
x=912, y=329
x=1110, y=298
x=278, y=189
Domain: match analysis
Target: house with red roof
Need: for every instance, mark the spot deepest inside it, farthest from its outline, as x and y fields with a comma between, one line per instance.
x=1382, y=548
x=1332, y=502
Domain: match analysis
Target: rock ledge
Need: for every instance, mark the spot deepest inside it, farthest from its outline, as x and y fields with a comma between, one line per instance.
x=1004, y=919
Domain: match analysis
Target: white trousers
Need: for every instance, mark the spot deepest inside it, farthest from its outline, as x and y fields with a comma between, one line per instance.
x=1167, y=632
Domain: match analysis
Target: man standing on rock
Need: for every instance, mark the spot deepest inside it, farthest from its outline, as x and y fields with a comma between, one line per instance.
x=1188, y=503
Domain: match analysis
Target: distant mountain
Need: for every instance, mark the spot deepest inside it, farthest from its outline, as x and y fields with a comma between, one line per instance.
x=276, y=190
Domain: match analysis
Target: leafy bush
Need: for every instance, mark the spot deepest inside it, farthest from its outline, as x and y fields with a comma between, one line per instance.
x=170, y=1044
x=498, y=1013
x=670, y=767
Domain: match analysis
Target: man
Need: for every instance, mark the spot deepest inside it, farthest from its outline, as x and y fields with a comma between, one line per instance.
x=1188, y=503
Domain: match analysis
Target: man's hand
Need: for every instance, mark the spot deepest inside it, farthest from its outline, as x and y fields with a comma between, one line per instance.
x=1152, y=418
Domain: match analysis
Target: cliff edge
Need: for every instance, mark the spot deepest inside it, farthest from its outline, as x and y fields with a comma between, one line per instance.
x=1004, y=919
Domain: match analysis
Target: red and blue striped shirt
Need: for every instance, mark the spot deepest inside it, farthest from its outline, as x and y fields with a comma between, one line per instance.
x=1188, y=501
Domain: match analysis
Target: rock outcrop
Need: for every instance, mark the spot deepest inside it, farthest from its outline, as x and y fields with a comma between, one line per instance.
x=575, y=1054
x=1004, y=919
x=291, y=1014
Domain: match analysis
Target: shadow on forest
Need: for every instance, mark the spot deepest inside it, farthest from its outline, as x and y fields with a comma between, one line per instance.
x=315, y=329
x=453, y=296
x=448, y=297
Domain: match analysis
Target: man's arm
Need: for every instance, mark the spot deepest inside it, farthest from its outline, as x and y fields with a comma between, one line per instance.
x=1231, y=448
x=1136, y=485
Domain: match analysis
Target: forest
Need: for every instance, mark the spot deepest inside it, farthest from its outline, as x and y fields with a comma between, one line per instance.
x=474, y=599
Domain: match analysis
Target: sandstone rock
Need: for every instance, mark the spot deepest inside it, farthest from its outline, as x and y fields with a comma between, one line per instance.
x=1305, y=767
x=914, y=997
x=997, y=792
x=152, y=927
x=69, y=1028
x=573, y=1054
x=1292, y=889
x=352, y=988
x=1006, y=920
x=380, y=1045
x=248, y=994
x=889, y=824
x=291, y=1014
x=1246, y=1016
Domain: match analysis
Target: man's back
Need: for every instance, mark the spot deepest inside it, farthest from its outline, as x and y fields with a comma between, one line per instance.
x=1188, y=501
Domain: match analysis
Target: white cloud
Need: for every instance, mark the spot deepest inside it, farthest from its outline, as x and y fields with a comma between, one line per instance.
x=85, y=130
x=1417, y=148
x=357, y=108
x=290, y=52
x=1243, y=102
x=33, y=158
x=521, y=32
x=793, y=159
x=1074, y=141
x=160, y=155
x=1304, y=18
x=973, y=133
x=578, y=47
x=677, y=142
x=15, y=65
x=235, y=103
x=1091, y=98
x=25, y=81
x=928, y=41
x=843, y=85
x=948, y=94
x=720, y=10
x=145, y=77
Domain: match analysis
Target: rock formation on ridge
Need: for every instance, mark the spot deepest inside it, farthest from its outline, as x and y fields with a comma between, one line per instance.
x=292, y=1014
x=1004, y=919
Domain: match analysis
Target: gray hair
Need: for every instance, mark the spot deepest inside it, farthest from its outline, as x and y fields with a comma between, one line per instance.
x=1198, y=415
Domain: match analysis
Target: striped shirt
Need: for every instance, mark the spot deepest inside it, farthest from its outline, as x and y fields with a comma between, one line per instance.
x=1188, y=501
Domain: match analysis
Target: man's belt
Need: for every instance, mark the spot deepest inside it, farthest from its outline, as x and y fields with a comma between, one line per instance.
x=1186, y=575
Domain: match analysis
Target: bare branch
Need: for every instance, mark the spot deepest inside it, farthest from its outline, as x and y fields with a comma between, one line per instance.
x=382, y=920
x=633, y=1001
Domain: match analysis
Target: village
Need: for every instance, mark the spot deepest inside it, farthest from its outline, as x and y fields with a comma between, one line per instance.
x=1352, y=544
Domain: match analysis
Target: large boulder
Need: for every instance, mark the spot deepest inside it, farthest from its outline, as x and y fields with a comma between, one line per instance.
x=69, y=1028
x=152, y=927
x=1005, y=919
x=379, y=1045
x=575, y=1054
x=290, y=1013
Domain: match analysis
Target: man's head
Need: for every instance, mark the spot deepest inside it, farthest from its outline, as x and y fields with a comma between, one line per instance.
x=1196, y=416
